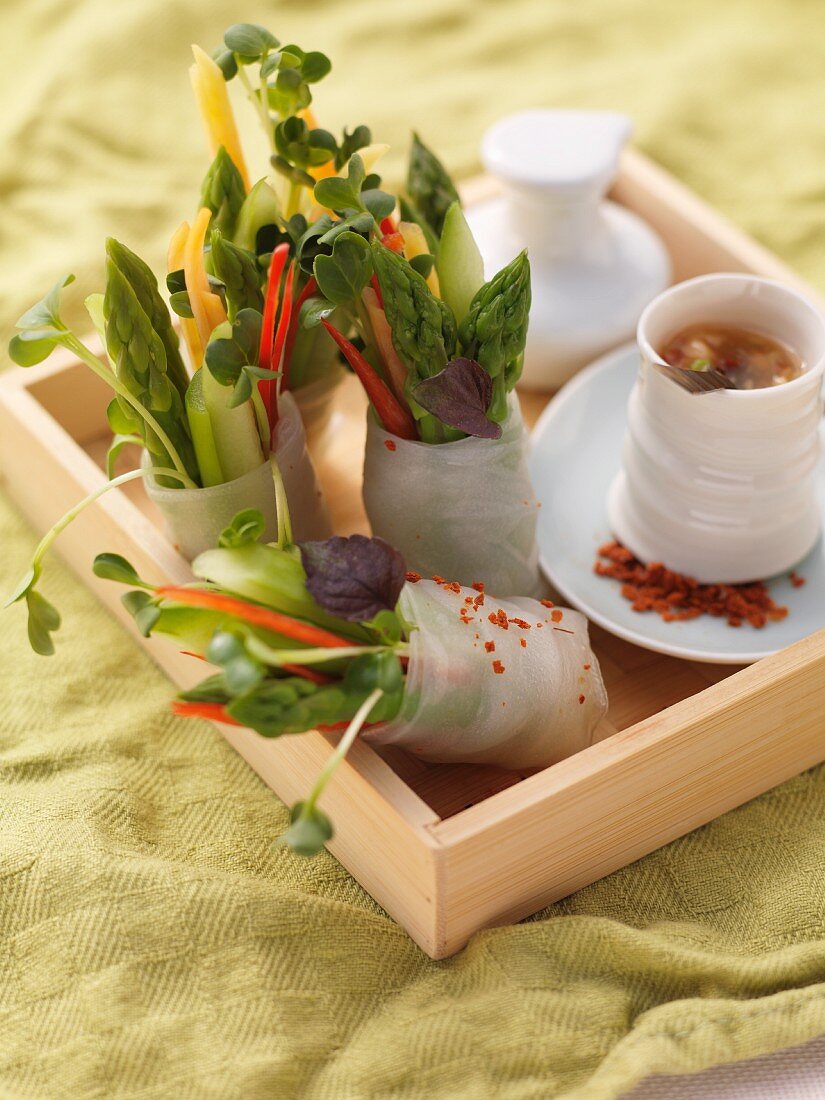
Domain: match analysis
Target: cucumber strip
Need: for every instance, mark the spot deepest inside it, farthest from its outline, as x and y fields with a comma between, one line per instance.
x=200, y=427
x=235, y=430
x=459, y=265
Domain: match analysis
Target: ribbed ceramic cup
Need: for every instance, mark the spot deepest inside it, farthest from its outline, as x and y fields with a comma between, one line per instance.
x=722, y=486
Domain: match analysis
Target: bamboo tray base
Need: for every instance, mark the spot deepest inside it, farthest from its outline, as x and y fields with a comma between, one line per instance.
x=449, y=849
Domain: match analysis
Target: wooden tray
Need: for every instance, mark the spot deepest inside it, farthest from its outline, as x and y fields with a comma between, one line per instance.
x=449, y=849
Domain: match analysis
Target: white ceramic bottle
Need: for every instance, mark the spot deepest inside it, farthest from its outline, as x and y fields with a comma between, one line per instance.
x=595, y=265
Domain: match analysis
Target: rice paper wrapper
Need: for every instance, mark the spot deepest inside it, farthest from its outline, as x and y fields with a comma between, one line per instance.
x=307, y=506
x=464, y=510
x=543, y=704
x=195, y=518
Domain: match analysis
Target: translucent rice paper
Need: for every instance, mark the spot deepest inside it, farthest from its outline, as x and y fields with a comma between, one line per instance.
x=544, y=705
x=307, y=506
x=464, y=510
x=196, y=517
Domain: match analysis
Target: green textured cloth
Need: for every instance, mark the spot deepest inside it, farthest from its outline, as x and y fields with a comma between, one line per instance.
x=151, y=944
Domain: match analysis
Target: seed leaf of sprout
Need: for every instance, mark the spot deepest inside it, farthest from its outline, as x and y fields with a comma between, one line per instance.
x=43, y=618
x=232, y=355
x=246, y=527
x=342, y=275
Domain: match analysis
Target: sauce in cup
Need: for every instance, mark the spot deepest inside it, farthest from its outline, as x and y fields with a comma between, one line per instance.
x=750, y=359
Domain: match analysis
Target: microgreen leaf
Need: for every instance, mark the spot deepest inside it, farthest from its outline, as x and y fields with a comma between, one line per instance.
x=44, y=619
x=342, y=275
x=26, y=349
x=122, y=418
x=354, y=578
x=143, y=608
x=379, y=203
x=241, y=671
x=313, y=311
x=226, y=356
x=249, y=40
x=315, y=66
x=246, y=527
x=116, y=448
x=360, y=137
x=423, y=264
x=308, y=832
x=114, y=567
x=460, y=397
x=46, y=312
x=343, y=195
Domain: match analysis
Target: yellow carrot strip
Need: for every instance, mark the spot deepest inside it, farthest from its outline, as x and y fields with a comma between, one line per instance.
x=212, y=98
x=188, y=326
x=415, y=244
x=206, y=306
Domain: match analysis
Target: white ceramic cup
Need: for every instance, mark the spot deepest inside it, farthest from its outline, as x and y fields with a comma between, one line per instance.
x=721, y=486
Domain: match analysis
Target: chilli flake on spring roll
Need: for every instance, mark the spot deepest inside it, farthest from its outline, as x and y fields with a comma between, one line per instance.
x=337, y=635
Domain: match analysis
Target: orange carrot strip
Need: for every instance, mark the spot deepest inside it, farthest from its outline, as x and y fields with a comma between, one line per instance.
x=215, y=712
x=255, y=615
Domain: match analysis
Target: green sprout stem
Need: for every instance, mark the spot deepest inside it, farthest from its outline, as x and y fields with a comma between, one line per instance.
x=72, y=514
x=342, y=748
x=79, y=348
x=258, y=99
x=282, y=508
x=277, y=657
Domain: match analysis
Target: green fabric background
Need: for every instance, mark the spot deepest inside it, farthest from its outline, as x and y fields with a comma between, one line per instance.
x=151, y=944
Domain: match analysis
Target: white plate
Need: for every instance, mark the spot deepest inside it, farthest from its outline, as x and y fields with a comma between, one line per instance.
x=576, y=450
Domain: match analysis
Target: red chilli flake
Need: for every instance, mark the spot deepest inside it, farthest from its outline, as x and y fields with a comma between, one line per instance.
x=498, y=668
x=796, y=580
x=499, y=618
x=390, y=445
x=556, y=616
x=547, y=603
x=586, y=668
x=523, y=643
x=478, y=586
x=581, y=699
x=453, y=586
x=438, y=580
x=522, y=623
x=677, y=598
x=413, y=577
x=490, y=647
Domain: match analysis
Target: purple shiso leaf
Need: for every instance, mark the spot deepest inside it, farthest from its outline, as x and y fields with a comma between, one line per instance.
x=460, y=396
x=353, y=578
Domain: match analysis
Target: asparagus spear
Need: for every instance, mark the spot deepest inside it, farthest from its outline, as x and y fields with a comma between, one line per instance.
x=494, y=331
x=429, y=185
x=223, y=192
x=138, y=356
x=238, y=271
x=143, y=282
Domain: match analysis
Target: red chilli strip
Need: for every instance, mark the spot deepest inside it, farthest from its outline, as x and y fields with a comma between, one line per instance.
x=280, y=338
x=395, y=419
x=376, y=286
x=291, y=336
x=215, y=712
x=266, y=386
x=309, y=674
x=394, y=242
x=255, y=615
